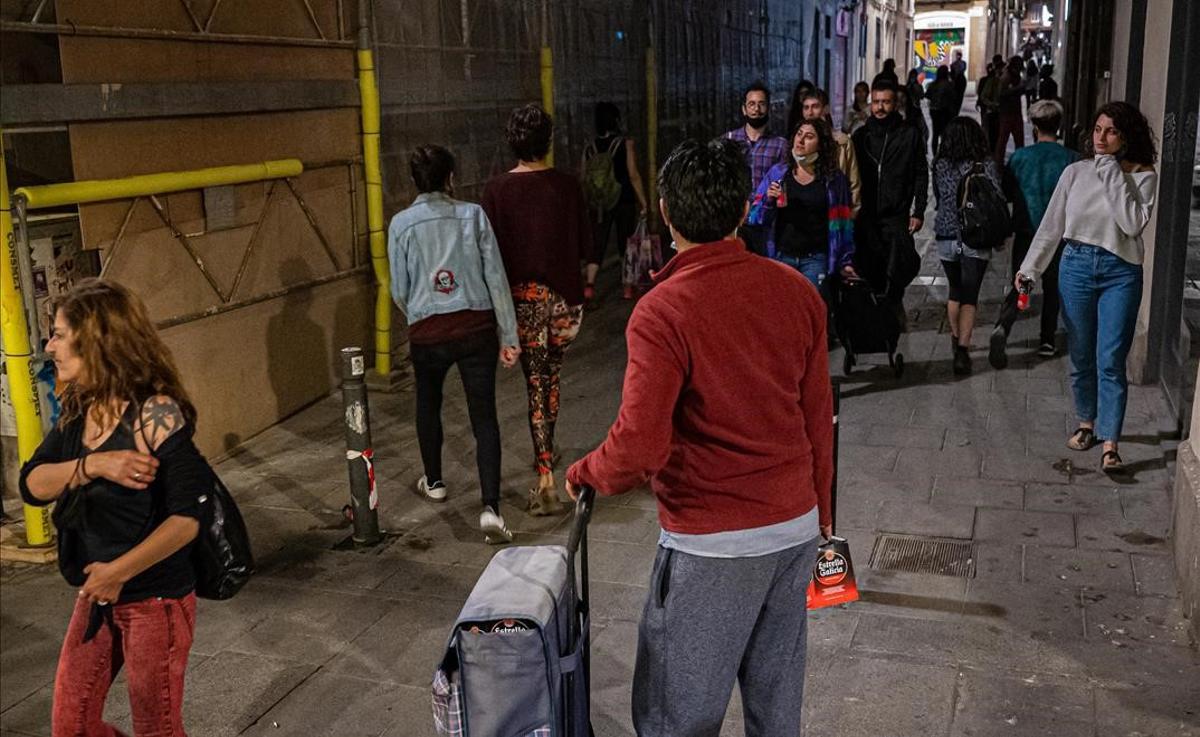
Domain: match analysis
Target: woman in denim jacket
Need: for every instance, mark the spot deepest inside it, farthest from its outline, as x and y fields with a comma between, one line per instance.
x=449, y=279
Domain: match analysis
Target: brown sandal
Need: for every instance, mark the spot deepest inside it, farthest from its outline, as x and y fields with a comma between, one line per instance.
x=544, y=503
x=1111, y=463
x=1082, y=439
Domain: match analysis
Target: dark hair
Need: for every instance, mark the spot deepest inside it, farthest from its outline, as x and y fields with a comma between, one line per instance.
x=883, y=85
x=1046, y=71
x=756, y=86
x=608, y=118
x=705, y=187
x=912, y=75
x=943, y=73
x=826, y=146
x=963, y=140
x=431, y=167
x=862, y=85
x=529, y=132
x=889, y=65
x=819, y=95
x=1134, y=129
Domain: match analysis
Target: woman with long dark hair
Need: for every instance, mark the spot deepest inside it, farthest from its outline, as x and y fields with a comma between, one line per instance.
x=1098, y=211
x=129, y=485
x=803, y=89
x=963, y=147
x=859, y=110
x=808, y=205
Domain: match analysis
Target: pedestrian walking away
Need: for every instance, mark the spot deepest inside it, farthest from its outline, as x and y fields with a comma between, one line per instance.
x=614, y=189
x=807, y=208
x=942, y=105
x=1100, y=208
x=543, y=230
x=988, y=104
x=1035, y=170
x=448, y=279
x=1009, y=121
x=887, y=73
x=958, y=76
x=1047, y=87
x=816, y=107
x=895, y=184
x=760, y=149
x=963, y=150
x=129, y=486
x=737, y=445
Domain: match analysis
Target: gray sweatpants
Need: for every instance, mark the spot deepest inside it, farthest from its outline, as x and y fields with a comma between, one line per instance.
x=709, y=621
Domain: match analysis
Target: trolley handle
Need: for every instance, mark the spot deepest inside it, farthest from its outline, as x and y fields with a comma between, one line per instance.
x=583, y=515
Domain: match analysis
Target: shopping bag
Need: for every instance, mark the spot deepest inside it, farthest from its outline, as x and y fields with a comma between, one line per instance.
x=643, y=256
x=833, y=575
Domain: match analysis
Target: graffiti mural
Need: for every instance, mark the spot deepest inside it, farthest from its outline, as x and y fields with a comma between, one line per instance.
x=935, y=47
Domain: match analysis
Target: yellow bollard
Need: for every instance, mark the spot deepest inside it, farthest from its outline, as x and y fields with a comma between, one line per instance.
x=22, y=384
x=651, y=135
x=548, y=92
x=369, y=93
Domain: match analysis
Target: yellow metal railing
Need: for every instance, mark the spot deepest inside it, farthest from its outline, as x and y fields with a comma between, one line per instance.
x=22, y=384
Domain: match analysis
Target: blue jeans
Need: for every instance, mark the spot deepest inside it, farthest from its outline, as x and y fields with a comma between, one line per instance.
x=814, y=266
x=1100, y=297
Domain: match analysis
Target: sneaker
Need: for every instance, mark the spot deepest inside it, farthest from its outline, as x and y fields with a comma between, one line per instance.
x=996, y=345
x=435, y=492
x=495, y=532
x=1047, y=350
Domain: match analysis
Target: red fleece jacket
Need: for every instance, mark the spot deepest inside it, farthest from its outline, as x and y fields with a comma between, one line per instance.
x=727, y=405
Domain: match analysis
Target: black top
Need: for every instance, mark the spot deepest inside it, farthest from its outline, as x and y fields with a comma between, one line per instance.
x=893, y=168
x=802, y=228
x=620, y=164
x=113, y=518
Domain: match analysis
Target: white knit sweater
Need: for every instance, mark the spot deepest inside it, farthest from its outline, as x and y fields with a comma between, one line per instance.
x=1098, y=203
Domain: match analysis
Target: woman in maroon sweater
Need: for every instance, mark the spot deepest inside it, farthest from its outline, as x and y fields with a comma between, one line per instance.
x=541, y=223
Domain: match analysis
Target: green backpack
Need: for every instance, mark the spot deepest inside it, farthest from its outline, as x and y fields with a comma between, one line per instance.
x=600, y=178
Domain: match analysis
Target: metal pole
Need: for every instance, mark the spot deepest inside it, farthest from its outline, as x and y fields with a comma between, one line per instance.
x=18, y=354
x=837, y=405
x=364, y=499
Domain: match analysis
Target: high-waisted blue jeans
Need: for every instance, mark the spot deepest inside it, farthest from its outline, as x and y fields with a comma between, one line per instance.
x=1100, y=293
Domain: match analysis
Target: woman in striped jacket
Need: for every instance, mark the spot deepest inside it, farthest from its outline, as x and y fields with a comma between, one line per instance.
x=808, y=205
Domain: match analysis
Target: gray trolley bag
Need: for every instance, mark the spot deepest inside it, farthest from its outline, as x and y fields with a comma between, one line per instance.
x=522, y=682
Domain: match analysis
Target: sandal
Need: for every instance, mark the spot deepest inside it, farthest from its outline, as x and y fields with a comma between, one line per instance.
x=1111, y=463
x=1082, y=439
x=544, y=502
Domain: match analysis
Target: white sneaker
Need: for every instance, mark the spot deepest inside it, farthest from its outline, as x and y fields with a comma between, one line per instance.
x=495, y=532
x=434, y=493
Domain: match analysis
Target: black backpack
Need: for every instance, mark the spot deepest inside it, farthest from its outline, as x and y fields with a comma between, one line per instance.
x=221, y=555
x=983, y=217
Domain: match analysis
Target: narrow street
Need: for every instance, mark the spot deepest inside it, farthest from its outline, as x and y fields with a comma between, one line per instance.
x=1068, y=626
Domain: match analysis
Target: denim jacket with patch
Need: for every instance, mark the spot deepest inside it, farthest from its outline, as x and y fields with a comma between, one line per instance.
x=444, y=258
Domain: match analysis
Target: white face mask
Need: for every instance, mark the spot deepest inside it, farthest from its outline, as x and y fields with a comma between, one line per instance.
x=806, y=159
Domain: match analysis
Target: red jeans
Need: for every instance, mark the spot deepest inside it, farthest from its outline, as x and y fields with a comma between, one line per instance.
x=152, y=641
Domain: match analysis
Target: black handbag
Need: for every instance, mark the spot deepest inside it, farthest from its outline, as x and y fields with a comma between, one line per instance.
x=221, y=555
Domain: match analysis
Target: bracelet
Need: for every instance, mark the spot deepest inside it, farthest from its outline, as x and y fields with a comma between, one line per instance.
x=83, y=468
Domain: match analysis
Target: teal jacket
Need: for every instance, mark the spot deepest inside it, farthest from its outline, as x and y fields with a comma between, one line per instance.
x=443, y=258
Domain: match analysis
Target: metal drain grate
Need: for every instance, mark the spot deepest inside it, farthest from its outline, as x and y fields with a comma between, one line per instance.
x=922, y=555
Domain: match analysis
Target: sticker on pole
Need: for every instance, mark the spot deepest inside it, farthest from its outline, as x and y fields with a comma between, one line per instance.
x=367, y=456
x=357, y=367
x=833, y=576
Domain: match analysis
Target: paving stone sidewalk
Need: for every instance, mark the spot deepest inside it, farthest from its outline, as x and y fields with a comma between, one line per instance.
x=1070, y=625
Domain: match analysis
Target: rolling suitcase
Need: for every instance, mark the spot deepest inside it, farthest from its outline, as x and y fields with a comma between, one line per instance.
x=516, y=661
x=866, y=323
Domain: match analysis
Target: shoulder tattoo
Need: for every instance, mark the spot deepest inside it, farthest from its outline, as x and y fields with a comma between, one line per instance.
x=161, y=418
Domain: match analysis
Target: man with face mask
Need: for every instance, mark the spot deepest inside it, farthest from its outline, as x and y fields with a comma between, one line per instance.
x=895, y=190
x=761, y=149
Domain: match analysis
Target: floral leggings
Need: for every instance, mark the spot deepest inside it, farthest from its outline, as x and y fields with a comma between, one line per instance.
x=546, y=325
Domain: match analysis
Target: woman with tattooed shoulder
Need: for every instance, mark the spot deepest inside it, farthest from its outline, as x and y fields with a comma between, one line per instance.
x=128, y=482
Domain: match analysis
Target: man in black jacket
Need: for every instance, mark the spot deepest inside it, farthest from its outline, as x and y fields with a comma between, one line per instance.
x=895, y=189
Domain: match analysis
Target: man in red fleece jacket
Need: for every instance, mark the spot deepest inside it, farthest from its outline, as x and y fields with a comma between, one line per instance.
x=727, y=410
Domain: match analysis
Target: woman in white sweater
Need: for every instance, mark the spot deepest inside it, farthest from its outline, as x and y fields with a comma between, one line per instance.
x=1100, y=207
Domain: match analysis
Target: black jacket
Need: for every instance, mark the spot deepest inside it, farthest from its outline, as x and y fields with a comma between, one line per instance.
x=893, y=151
